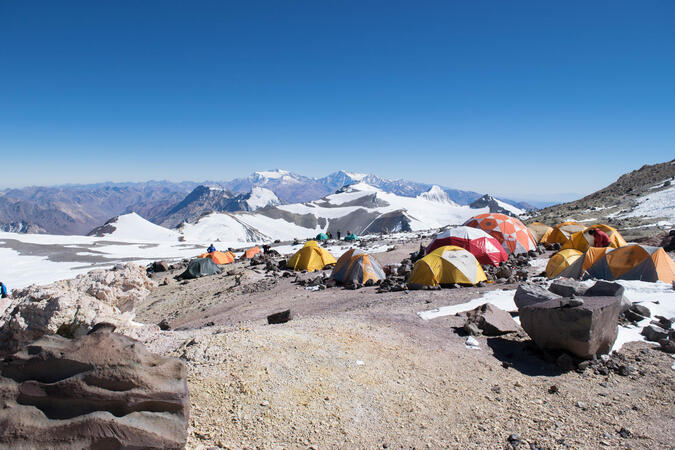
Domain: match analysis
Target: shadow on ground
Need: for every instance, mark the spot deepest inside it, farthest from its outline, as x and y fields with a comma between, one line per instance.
x=522, y=356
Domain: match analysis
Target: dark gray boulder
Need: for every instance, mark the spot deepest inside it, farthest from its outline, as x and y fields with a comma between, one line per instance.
x=567, y=287
x=585, y=330
x=101, y=390
x=530, y=293
x=654, y=333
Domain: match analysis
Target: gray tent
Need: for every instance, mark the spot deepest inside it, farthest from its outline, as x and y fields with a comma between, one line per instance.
x=200, y=267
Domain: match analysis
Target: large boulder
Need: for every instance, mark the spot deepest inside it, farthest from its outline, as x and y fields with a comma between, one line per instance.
x=530, y=294
x=102, y=390
x=492, y=321
x=72, y=307
x=588, y=329
x=567, y=287
x=609, y=289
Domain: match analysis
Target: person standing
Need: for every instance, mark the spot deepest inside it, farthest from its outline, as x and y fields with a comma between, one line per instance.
x=211, y=249
x=338, y=234
x=600, y=238
x=3, y=290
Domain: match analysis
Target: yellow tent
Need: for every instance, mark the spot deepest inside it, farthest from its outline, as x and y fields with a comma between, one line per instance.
x=447, y=265
x=540, y=231
x=311, y=257
x=219, y=257
x=630, y=262
x=561, y=261
x=562, y=232
x=582, y=241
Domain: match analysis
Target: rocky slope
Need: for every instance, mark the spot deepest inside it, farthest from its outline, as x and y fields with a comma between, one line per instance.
x=617, y=204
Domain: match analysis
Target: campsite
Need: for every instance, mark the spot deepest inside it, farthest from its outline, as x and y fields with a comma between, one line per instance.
x=337, y=225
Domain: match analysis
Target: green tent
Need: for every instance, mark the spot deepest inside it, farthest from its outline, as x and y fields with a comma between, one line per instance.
x=351, y=237
x=321, y=237
x=200, y=267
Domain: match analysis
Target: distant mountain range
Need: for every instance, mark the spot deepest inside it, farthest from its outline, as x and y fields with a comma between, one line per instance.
x=77, y=209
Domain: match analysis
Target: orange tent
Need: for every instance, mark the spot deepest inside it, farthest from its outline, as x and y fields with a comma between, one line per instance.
x=562, y=232
x=219, y=257
x=251, y=252
x=582, y=241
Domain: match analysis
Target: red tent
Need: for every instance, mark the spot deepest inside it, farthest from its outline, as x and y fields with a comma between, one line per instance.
x=484, y=247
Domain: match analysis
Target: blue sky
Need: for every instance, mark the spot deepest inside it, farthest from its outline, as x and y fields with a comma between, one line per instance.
x=514, y=98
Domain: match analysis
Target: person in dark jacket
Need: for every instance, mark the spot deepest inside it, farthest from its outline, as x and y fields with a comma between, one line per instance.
x=338, y=234
x=600, y=238
x=3, y=290
x=211, y=249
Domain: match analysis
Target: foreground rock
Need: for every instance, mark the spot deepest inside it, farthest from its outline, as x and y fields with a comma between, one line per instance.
x=585, y=329
x=102, y=390
x=71, y=307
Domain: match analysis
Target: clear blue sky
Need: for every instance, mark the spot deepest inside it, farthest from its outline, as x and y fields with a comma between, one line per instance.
x=509, y=97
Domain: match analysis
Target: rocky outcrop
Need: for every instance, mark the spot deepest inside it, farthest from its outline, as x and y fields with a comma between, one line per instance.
x=71, y=307
x=102, y=390
x=583, y=327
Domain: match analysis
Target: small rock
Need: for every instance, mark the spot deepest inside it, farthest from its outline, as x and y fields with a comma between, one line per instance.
x=654, y=333
x=280, y=317
x=582, y=406
x=164, y=325
x=553, y=389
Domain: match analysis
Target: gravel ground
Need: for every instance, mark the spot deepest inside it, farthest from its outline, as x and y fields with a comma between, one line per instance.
x=357, y=369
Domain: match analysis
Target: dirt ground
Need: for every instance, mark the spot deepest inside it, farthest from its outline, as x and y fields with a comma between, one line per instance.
x=358, y=369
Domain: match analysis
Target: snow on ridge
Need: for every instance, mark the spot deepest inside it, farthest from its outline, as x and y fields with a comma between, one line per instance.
x=355, y=176
x=509, y=207
x=656, y=204
x=133, y=228
x=438, y=195
x=261, y=197
x=272, y=174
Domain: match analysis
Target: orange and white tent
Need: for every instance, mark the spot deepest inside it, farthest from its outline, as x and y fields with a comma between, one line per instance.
x=357, y=267
x=509, y=231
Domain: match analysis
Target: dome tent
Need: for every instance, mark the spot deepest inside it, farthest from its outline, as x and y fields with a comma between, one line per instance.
x=630, y=262
x=540, y=231
x=251, y=252
x=510, y=232
x=310, y=257
x=357, y=267
x=200, y=267
x=219, y=257
x=447, y=265
x=321, y=237
x=562, y=232
x=582, y=240
x=484, y=247
x=561, y=261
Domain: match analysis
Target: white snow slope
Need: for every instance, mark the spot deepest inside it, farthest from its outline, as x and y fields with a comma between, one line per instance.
x=261, y=197
x=135, y=228
x=656, y=204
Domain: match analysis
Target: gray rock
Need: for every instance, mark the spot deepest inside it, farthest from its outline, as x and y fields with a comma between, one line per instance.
x=640, y=309
x=504, y=272
x=529, y=294
x=633, y=316
x=101, y=390
x=654, y=333
x=609, y=289
x=567, y=287
x=160, y=266
x=492, y=320
x=584, y=331
x=471, y=329
x=667, y=345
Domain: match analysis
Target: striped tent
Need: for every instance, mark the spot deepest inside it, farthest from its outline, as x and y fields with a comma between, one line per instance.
x=357, y=267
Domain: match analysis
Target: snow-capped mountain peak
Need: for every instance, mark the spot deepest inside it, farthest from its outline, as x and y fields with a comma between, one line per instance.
x=260, y=197
x=438, y=195
x=274, y=174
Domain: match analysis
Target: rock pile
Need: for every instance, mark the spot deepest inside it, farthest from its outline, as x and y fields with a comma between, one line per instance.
x=71, y=307
x=102, y=390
